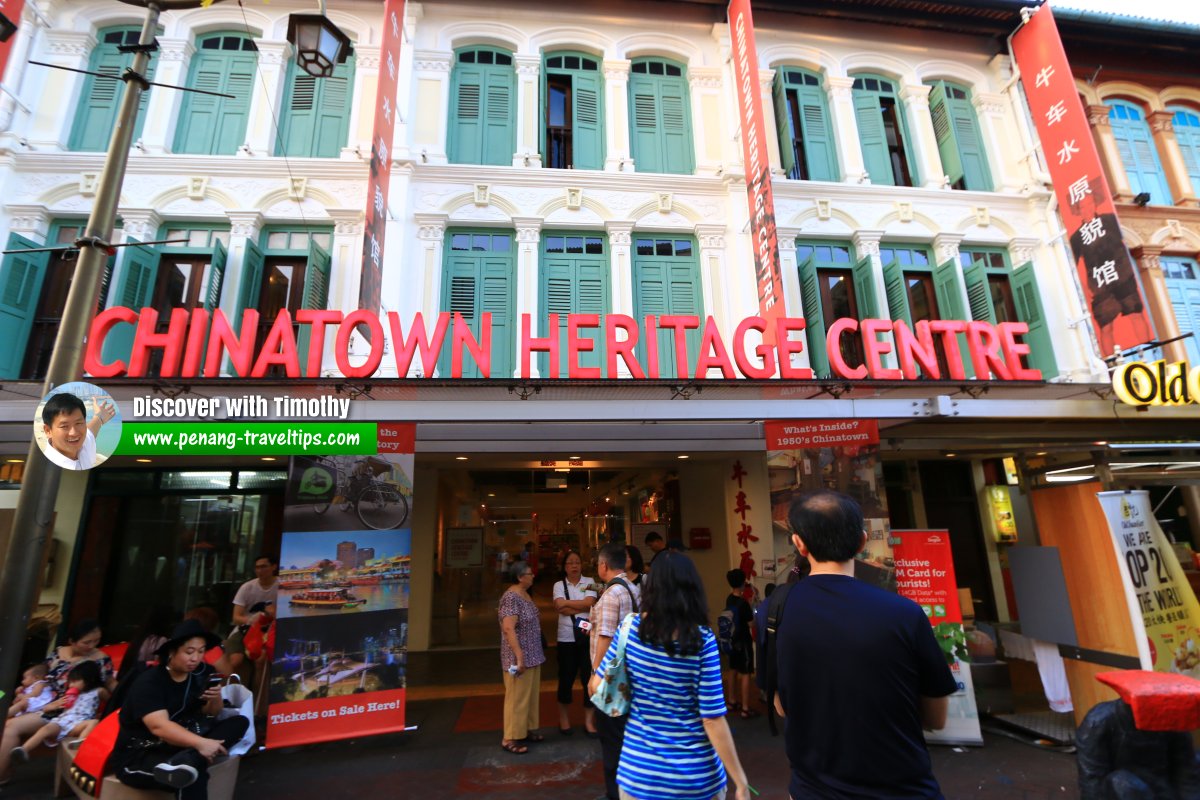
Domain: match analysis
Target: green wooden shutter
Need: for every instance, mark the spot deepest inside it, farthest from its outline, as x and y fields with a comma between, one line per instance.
x=216, y=277
x=587, y=128
x=650, y=300
x=591, y=297
x=300, y=115
x=497, y=296
x=235, y=112
x=943, y=130
x=100, y=99
x=465, y=145
x=814, y=316
x=864, y=289
x=1185, y=301
x=499, y=119
x=897, y=292
x=21, y=279
x=979, y=294
x=558, y=293
x=644, y=122
x=871, y=137
x=783, y=125
x=460, y=289
x=333, y=111
x=818, y=134
x=1028, y=301
x=677, y=151
x=250, y=283
x=976, y=175
x=684, y=299
x=210, y=125
x=947, y=288
x=316, y=116
x=135, y=289
x=316, y=294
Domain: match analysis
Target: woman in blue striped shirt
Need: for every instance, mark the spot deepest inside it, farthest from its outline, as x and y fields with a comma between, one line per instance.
x=677, y=742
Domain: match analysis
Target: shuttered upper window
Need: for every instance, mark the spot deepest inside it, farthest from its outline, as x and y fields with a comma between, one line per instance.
x=660, y=121
x=100, y=98
x=479, y=276
x=1182, y=277
x=316, y=113
x=1187, y=132
x=802, y=119
x=998, y=293
x=483, y=114
x=883, y=132
x=572, y=135
x=959, y=141
x=210, y=125
x=1138, y=153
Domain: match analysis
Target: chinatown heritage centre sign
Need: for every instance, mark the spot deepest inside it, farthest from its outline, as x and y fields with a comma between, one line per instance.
x=194, y=343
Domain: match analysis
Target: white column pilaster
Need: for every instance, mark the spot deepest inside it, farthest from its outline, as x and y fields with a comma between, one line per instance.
x=244, y=225
x=529, y=236
x=162, y=109
x=866, y=243
x=616, y=122
x=50, y=128
x=620, y=241
x=267, y=98
x=839, y=90
x=704, y=85
x=989, y=110
x=346, y=274
x=924, y=140
x=431, y=233
x=945, y=248
x=17, y=66
x=31, y=221
x=529, y=70
x=362, y=104
x=429, y=109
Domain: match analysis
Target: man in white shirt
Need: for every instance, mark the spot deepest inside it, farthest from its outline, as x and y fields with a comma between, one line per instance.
x=263, y=588
x=70, y=437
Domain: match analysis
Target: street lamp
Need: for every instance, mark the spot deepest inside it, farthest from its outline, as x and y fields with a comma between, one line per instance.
x=320, y=45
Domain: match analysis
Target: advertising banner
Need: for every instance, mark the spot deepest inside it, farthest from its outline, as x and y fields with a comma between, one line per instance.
x=341, y=641
x=11, y=9
x=1162, y=605
x=370, y=289
x=759, y=194
x=1106, y=270
x=1000, y=508
x=925, y=574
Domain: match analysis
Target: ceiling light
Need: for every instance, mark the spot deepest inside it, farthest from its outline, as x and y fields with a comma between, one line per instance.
x=491, y=494
x=1068, y=478
x=951, y=455
x=684, y=456
x=15, y=461
x=562, y=469
x=142, y=460
x=608, y=499
x=1040, y=453
x=460, y=458
x=269, y=458
x=573, y=458
x=1100, y=444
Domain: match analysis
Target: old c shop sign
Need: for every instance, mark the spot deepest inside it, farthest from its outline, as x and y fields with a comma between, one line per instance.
x=1159, y=383
x=193, y=344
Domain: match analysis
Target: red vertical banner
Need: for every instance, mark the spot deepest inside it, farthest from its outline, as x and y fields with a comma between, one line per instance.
x=11, y=9
x=1106, y=270
x=370, y=289
x=759, y=194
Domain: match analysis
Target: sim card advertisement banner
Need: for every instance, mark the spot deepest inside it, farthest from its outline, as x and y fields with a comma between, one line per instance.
x=1162, y=605
x=341, y=643
x=1105, y=268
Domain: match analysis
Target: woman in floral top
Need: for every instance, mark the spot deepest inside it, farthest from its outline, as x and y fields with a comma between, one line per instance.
x=521, y=658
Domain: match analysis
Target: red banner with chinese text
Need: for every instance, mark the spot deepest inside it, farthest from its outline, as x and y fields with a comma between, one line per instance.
x=370, y=289
x=11, y=9
x=1106, y=270
x=759, y=194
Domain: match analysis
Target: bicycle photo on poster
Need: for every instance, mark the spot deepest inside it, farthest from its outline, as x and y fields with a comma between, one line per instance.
x=331, y=493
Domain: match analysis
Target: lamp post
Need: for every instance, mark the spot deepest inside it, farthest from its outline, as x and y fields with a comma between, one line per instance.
x=320, y=45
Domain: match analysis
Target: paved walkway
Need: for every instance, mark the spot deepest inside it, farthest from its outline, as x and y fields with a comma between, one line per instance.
x=434, y=763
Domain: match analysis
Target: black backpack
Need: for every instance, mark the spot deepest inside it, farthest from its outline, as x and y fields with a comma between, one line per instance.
x=775, y=605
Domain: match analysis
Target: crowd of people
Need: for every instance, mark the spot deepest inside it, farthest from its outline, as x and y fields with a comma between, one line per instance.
x=835, y=643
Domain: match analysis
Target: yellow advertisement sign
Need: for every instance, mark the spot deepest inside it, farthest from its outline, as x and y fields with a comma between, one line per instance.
x=1004, y=524
x=1162, y=605
x=1157, y=384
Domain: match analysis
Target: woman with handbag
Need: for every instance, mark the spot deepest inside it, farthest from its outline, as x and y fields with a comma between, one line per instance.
x=677, y=742
x=169, y=732
x=574, y=597
x=521, y=658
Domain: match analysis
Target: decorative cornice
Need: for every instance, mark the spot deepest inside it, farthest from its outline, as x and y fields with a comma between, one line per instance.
x=140, y=223
x=704, y=77
x=528, y=66
x=915, y=95
x=69, y=43
x=1097, y=115
x=946, y=246
x=244, y=224
x=366, y=56
x=1022, y=249
x=1160, y=121
x=989, y=102
x=32, y=220
x=184, y=164
x=170, y=49
x=620, y=233
x=766, y=80
x=347, y=221
x=273, y=52
x=867, y=242
x=432, y=61
x=617, y=70
x=431, y=227
x=839, y=87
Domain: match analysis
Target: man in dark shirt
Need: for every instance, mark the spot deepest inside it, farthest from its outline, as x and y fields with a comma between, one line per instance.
x=860, y=673
x=739, y=660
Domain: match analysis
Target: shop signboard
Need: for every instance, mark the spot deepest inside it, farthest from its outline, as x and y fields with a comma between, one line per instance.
x=925, y=574
x=759, y=194
x=1162, y=606
x=1000, y=508
x=195, y=344
x=464, y=548
x=1158, y=383
x=341, y=641
x=1106, y=270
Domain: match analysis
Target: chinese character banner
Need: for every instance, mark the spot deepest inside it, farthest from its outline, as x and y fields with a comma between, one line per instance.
x=1106, y=270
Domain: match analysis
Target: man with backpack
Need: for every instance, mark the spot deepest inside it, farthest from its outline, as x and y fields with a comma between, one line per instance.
x=736, y=644
x=616, y=602
x=845, y=644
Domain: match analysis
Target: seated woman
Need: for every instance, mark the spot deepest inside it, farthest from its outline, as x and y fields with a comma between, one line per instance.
x=169, y=732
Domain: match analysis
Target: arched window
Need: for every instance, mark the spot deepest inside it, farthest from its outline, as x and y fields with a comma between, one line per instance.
x=883, y=131
x=1186, y=122
x=483, y=107
x=802, y=118
x=1138, y=154
x=660, y=120
x=101, y=97
x=316, y=112
x=208, y=124
x=572, y=112
x=959, y=141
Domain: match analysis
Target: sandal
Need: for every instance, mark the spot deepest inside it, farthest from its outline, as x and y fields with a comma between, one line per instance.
x=749, y=713
x=567, y=731
x=534, y=738
x=514, y=748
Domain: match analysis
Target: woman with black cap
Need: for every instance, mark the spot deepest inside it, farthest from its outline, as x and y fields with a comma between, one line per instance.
x=169, y=732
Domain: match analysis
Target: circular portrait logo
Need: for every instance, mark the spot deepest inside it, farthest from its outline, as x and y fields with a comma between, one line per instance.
x=78, y=425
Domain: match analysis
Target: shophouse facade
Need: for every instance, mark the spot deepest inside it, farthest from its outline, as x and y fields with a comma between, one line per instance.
x=549, y=161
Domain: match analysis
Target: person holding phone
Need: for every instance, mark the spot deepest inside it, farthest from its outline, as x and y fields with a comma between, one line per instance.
x=169, y=732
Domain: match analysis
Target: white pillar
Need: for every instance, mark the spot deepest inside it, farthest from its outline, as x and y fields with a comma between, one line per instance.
x=431, y=233
x=345, y=271
x=714, y=277
x=620, y=240
x=866, y=243
x=989, y=110
x=845, y=127
x=616, y=122
x=429, y=109
x=529, y=70
x=30, y=221
x=162, y=109
x=945, y=248
x=529, y=237
x=266, y=99
x=50, y=128
x=704, y=90
x=793, y=299
x=924, y=140
x=362, y=104
x=406, y=90
x=243, y=226
x=10, y=89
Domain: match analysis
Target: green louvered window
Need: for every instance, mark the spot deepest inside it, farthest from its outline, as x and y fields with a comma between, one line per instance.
x=101, y=97
x=660, y=117
x=1138, y=153
x=478, y=277
x=290, y=271
x=806, y=144
x=1187, y=132
x=21, y=278
x=574, y=280
x=960, y=143
x=827, y=290
x=996, y=293
x=483, y=108
x=212, y=125
x=572, y=112
x=919, y=290
x=666, y=280
x=316, y=113
x=883, y=131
